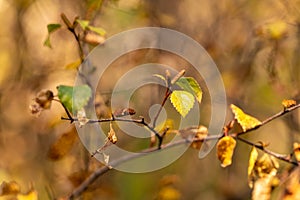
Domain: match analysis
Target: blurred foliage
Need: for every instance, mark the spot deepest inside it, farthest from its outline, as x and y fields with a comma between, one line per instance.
x=255, y=45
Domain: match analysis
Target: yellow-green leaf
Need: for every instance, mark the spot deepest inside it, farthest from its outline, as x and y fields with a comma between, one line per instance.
x=189, y=84
x=83, y=23
x=182, y=101
x=97, y=30
x=225, y=149
x=246, y=121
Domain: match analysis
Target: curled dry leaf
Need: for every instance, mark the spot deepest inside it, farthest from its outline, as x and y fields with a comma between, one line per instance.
x=44, y=98
x=124, y=112
x=197, y=133
x=42, y=101
x=225, y=149
x=292, y=186
x=297, y=151
x=35, y=109
x=263, y=177
x=246, y=121
x=9, y=188
x=112, y=137
x=287, y=103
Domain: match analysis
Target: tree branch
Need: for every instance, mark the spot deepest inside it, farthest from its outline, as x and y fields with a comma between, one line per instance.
x=84, y=185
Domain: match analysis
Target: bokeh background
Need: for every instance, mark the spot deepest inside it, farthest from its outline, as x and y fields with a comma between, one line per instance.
x=255, y=44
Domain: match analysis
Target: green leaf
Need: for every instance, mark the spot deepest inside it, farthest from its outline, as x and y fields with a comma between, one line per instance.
x=51, y=28
x=74, y=98
x=189, y=84
x=182, y=101
x=97, y=30
x=83, y=23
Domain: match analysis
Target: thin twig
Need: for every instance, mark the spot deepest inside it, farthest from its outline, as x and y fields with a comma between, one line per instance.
x=286, y=158
x=84, y=185
x=167, y=94
x=137, y=121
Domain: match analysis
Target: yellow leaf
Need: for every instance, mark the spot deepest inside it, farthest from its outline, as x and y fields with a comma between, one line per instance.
x=252, y=161
x=246, y=121
x=277, y=30
x=183, y=101
x=287, y=103
x=274, y=30
x=225, y=149
x=167, y=124
x=32, y=195
x=168, y=193
x=297, y=151
x=73, y=65
x=266, y=165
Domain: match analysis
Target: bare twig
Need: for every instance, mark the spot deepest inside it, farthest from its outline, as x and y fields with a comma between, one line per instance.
x=84, y=185
x=137, y=121
x=71, y=28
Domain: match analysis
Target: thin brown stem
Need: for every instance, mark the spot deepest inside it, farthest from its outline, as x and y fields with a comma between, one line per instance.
x=286, y=158
x=167, y=94
x=137, y=121
x=84, y=185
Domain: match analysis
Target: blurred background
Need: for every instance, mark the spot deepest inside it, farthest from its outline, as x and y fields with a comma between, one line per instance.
x=255, y=44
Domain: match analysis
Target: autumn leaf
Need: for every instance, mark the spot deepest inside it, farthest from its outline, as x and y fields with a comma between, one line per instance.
x=292, y=185
x=246, y=121
x=252, y=160
x=264, y=177
x=112, y=137
x=73, y=65
x=195, y=133
x=123, y=112
x=297, y=151
x=8, y=188
x=225, y=149
x=31, y=195
x=182, y=101
x=287, y=103
x=62, y=145
x=275, y=30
